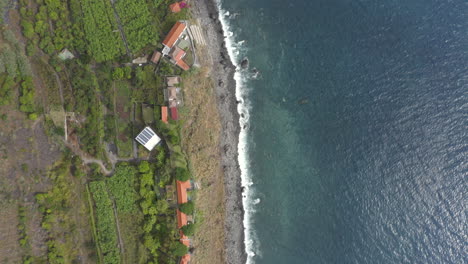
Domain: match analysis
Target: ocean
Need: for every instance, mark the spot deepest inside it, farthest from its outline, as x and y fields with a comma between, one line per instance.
x=354, y=147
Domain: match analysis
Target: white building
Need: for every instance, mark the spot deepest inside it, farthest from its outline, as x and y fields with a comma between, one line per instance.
x=148, y=138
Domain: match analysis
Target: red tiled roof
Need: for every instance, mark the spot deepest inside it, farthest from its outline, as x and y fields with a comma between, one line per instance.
x=175, y=7
x=174, y=34
x=179, y=55
x=184, y=239
x=181, y=220
x=182, y=191
x=164, y=114
x=183, y=65
x=185, y=259
x=174, y=113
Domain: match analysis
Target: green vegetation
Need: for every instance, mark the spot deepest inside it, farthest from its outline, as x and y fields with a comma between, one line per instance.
x=101, y=30
x=15, y=70
x=106, y=228
x=180, y=249
x=59, y=206
x=24, y=239
x=187, y=207
x=182, y=174
x=86, y=89
x=121, y=187
x=188, y=229
x=93, y=97
x=137, y=24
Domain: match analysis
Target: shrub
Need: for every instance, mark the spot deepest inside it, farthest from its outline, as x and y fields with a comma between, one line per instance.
x=180, y=249
x=182, y=174
x=187, y=207
x=188, y=229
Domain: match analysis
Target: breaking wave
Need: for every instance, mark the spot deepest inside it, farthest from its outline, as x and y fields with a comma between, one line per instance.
x=235, y=48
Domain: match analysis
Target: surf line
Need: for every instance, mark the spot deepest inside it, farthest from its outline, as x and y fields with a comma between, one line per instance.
x=240, y=77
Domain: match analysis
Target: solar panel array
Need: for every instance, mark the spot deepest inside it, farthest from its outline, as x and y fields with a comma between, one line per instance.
x=145, y=135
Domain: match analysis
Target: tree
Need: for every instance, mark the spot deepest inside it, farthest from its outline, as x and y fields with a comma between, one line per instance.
x=180, y=249
x=182, y=174
x=188, y=229
x=162, y=206
x=187, y=207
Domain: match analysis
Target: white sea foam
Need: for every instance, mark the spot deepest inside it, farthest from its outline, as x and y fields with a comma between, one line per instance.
x=234, y=49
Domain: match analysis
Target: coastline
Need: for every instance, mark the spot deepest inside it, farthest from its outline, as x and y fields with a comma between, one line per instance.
x=222, y=74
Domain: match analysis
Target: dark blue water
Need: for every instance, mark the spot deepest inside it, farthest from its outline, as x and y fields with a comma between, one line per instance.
x=358, y=129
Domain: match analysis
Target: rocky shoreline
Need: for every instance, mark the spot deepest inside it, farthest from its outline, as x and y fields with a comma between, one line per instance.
x=222, y=73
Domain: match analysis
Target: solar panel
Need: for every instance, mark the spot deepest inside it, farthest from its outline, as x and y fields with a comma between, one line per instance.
x=148, y=138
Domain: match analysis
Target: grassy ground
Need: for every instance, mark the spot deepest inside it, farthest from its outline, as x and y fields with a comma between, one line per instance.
x=200, y=141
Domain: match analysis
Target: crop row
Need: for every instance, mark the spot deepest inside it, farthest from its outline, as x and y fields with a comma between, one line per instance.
x=106, y=228
x=137, y=23
x=101, y=30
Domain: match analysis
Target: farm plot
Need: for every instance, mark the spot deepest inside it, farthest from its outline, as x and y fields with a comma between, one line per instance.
x=101, y=30
x=106, y=227
x=137, y=24
x=124, y=110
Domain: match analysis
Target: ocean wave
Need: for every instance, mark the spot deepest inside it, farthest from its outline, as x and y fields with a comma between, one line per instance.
x=235, y=49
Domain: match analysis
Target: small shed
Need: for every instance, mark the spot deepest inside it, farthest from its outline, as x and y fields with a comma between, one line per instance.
x=175, y=7
x=164, y=114
x=140, y=60
x=156, y=57
x=148, y=138
x=65, y=54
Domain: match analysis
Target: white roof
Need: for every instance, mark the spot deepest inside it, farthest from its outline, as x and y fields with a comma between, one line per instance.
x=148, y=138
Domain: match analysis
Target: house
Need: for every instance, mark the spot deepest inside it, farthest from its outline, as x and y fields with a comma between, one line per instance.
x=185, y=259
x=183, y=65
x=181, y=219
x=172, y=37
x=174, y=113
x=172, y=80
x=148, y=138
x=182, y=188
x=156, y=57
x=177, y=55
x=164, y=114
x=173, y=96
x=182, y=197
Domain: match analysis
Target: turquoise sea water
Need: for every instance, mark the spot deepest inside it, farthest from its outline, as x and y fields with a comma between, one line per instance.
x=355, y=147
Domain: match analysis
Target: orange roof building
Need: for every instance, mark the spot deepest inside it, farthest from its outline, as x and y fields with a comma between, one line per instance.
x=175, y=7
x=173, y=36
x=178, y=54
x=164, y=114
x=182, y=191
x=183, y=65
x=181, y=219
x=185, y=259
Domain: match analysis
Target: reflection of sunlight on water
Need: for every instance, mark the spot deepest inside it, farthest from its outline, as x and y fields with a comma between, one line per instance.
x=235, y=49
